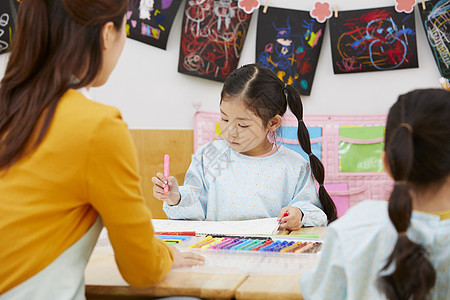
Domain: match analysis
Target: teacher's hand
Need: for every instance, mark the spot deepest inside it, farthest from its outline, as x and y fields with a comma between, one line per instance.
x=186, y=259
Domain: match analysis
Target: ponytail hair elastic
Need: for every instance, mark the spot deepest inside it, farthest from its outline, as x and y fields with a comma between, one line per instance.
x=407, y=126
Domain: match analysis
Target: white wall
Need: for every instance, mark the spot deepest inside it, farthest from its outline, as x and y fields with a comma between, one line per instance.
x=150, y=92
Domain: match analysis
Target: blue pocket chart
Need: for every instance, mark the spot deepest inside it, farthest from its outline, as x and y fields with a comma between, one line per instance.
x=289, y=133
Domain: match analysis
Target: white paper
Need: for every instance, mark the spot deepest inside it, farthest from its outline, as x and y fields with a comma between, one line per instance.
x=265, y=226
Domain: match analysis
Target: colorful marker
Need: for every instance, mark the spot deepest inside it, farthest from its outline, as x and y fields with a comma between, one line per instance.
x=203, y=241
x=295, y=245
x=224, y=244
x=172, y=242
x=252, y=245
x=180, y=233
x=308, y=246
x=298, y=247
x=242, y=244
x=227, y=247
x=265, y=244
x=166, y=173
x=248, y=244
x=315, y=248
x=214, y=242
x=270, y=246
x=173, y=237
x=206, y=243
x=221, y=243
x=280, y=246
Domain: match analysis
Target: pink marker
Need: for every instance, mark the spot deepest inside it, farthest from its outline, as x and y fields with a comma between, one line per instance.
x=166, y=173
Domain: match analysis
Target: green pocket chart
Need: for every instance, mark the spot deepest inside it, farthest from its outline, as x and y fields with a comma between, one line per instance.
x=360, y=148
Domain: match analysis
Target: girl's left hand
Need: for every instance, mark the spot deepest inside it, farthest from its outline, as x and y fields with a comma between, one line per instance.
x=293, y=221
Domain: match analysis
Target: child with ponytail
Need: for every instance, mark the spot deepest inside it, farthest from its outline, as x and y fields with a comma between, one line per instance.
x=400, y=249
x=246, y=176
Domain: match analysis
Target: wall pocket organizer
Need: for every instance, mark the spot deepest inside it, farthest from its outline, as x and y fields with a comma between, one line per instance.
x=349, y=146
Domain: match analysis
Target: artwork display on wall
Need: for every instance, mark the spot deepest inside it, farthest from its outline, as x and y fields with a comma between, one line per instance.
x=212, y=38
x=150, y=21
x=376, y=39
x=8, y=17
x=436, y=21
x=288, y=42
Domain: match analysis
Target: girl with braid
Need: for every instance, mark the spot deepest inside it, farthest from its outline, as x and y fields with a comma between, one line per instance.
x=398, y=249
x=246, y=176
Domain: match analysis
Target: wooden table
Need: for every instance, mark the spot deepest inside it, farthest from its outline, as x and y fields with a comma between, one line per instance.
x=104, y=280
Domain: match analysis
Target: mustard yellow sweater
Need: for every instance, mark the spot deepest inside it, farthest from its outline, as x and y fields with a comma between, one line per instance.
x=85, y=166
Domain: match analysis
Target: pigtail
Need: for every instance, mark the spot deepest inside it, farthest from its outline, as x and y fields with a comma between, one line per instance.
x=414, y=275
x=295, y=104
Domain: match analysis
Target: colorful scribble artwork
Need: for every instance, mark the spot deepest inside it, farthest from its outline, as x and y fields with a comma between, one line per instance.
x=373, y=40
x=288, y=42
x=436, y=20
x=150, y=21
x=8, y=18
x=212, y=38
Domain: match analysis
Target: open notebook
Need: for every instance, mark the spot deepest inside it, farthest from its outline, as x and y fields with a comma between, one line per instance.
x=265, y=226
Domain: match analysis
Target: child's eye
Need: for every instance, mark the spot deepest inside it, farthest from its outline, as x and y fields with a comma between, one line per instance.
x=243, y=126
x=224, y=120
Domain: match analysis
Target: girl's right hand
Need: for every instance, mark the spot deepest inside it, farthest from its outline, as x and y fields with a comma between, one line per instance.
x=173, y=197
x=186, y=259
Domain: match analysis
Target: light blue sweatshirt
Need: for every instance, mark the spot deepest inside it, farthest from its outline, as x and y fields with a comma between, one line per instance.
x=222, y=184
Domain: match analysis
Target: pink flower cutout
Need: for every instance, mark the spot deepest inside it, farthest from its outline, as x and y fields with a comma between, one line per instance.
x=404, y=5
x=321, y=11
x=248, y=5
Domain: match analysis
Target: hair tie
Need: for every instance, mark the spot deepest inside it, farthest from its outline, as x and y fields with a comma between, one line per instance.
x=285, y=85
x=402, y=233
x=285, y=91
x=407, y=126
x=401, y=182
x=310, y=154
